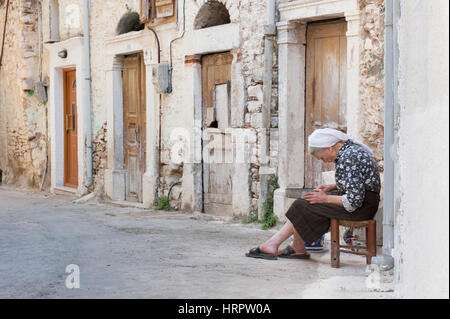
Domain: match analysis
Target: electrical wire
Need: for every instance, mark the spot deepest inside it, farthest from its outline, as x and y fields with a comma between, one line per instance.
x=158, y=43
x=171, y=42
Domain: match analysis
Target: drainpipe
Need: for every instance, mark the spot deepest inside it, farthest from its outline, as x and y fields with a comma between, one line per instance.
x=4, y=32
x=269, y=33
x=386, y=262
x=87, y=73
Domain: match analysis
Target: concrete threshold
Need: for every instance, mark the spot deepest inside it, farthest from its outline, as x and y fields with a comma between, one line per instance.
x=127, y=204
x=62, y=190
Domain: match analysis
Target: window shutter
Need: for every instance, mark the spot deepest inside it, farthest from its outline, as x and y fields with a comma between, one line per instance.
x=144, y=10
x=164, y=8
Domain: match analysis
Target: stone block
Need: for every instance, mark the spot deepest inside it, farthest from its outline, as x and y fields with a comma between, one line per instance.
x=257, y=120
x=256, y=92
x=254, y=106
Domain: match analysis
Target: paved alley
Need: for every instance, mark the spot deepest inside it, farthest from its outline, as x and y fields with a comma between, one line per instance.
x=125, y=252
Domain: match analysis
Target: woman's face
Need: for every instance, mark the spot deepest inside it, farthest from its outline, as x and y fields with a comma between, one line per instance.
x=328, y=155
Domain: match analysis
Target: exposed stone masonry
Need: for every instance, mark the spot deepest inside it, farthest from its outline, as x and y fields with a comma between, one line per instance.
x=22, y=127
x=372, y=75
x=99, y=157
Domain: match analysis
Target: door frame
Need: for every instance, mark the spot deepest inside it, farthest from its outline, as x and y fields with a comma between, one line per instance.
x=74, y=59
x=116, y=48
x=310, y=90
x=227, y=130
x=294, y=17
x=142, y=128
x=192, y=199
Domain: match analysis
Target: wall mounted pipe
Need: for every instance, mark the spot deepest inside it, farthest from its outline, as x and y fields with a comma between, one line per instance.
x=157, y=154
x=87, y=74
x=269, y=33
x=387, y=261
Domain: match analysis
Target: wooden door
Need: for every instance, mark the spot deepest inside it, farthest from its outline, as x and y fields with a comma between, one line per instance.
x=326, y=56
x=134, y=117
x=70, y=129
x=217, y=152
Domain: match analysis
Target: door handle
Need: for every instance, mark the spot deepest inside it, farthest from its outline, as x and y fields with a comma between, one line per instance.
x=73, y=117
x=69, y=123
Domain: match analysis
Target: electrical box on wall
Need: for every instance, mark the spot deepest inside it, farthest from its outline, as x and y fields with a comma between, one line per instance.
x=161, y=77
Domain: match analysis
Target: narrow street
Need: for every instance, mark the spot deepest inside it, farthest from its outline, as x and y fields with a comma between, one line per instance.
x=127, y=252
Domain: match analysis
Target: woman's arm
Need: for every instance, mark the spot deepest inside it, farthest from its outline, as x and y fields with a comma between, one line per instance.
x=326, y=188
x=319, y=196
x=334, y=199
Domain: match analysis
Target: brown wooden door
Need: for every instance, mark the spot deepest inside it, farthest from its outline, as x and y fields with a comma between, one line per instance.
x=134, y=117
x=217, y=161
x=70, y=129
x=326, y=56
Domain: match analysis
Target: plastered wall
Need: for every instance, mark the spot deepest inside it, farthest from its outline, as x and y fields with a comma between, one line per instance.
x=422, y=219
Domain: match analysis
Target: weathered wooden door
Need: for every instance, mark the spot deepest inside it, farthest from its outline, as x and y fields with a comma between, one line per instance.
x=326, y=64
x=217, y=152
x=134, y=117
x=70, y=129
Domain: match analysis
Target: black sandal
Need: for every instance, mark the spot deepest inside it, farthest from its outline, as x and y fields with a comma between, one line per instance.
x=290, y=253
x=257, y=253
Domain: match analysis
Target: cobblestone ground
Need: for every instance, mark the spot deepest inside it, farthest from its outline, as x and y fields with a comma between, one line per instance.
x=125, y=252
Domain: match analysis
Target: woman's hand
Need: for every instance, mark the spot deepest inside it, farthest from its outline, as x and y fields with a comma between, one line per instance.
x=316, y=197
x=326, y=188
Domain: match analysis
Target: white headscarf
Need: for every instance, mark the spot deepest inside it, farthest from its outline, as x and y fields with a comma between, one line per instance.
x=326, y=137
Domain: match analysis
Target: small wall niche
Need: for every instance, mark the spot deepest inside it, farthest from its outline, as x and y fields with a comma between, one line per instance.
x=211, y=14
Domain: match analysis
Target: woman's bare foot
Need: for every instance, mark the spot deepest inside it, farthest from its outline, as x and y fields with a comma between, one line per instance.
x=269, y=248
x=298, y=249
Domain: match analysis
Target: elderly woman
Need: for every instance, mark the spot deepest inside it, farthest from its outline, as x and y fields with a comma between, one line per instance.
x=357, y=182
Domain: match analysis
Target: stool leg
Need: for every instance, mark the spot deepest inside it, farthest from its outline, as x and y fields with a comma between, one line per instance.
x=371, y=240
x=335, y=248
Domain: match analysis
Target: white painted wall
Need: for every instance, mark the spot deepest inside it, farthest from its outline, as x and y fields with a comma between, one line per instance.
x=422, y=220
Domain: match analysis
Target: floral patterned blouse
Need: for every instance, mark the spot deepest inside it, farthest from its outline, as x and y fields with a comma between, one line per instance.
x=356, y=172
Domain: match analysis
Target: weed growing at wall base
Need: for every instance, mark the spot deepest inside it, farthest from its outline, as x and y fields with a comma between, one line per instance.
x=269, y=219
x=252, y=218
x=163, y=203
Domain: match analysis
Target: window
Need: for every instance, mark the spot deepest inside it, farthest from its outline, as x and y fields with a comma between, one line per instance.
x=157, y=11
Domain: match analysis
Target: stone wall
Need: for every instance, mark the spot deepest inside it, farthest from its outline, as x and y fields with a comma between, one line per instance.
x=372, y=76
x=99, y=157
x=251, y=18
x=23, y=117
x=23, y=130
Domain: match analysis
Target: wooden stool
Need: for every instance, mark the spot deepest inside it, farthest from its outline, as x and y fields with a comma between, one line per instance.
x=371, y=240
